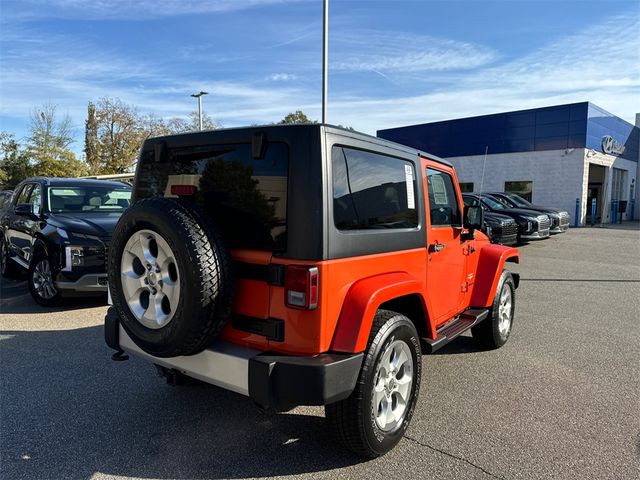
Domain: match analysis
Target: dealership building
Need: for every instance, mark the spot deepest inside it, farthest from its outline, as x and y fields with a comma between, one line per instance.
x=577, y=157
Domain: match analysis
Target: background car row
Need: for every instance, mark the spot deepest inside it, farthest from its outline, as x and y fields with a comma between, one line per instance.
x=511, y=219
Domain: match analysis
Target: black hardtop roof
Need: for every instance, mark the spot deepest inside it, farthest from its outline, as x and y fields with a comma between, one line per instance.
x=78, y=182
x=244, y=131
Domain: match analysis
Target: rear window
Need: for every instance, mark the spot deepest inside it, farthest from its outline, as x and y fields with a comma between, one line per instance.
x=371, y=190
x=246, y=197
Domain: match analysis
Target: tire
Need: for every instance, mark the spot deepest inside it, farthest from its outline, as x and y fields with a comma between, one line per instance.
x=188, y=293
x=8, y=268
x=494, y=332
x=41, y=283
x=356, y=421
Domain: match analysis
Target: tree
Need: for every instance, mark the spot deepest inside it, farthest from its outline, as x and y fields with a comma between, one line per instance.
x=295, y=117
x=92, y=153
x=118, y=136
x=47, y=131
x=14, y=162
x=192, y=123
x=48, y=145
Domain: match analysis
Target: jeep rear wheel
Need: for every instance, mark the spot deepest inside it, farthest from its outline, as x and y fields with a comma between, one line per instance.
x=170, y=277
x=373, y=419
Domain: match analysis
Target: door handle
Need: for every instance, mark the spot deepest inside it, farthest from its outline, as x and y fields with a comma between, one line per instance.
x=436, y=247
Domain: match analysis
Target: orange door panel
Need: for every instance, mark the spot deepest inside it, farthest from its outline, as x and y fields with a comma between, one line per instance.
x=446, y=259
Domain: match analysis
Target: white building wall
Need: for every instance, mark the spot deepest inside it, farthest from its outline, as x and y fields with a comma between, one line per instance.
x=558, y=176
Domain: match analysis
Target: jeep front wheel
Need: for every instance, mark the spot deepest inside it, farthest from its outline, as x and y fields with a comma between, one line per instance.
x=373, y=419
x=170, y=277
x=495, y=330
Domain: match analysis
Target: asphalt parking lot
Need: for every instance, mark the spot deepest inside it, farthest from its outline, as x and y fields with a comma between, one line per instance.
x=560, y=400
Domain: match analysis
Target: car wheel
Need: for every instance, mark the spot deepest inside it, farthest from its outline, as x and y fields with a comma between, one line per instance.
x=170, y=277
x=495, y=330
x=373, y=419
x=41, y=283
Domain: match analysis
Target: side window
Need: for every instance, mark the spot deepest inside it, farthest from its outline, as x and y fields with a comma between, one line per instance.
x=466, y=187
x=371, y=190
x=36, y=199
x=443, y=201
x=23, y=196
x=470, y=201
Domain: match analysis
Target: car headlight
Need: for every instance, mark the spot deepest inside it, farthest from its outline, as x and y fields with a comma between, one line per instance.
x=74, y=257
x=488, y=230
x=529, y=225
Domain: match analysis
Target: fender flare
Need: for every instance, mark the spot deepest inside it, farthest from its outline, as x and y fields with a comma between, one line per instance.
x=490, y=266
x=361, y=304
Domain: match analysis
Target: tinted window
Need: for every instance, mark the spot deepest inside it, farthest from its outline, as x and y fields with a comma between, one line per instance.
x=492, y=203
x=371, y=190
x=23, y=196
x=246, y=197
x=35, y=199
x=443, y=201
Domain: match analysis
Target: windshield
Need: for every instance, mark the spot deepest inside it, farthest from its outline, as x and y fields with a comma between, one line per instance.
x=493, y=204
x=88, y=199
x=517, y=200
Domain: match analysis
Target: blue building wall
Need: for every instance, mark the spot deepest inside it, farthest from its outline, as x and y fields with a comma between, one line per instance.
x=577, y=125
x=601, y=123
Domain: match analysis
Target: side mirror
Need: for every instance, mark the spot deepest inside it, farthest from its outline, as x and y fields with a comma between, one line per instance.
x=473, y=217
x=24, y=209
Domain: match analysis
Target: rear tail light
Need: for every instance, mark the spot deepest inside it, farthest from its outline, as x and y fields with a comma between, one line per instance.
x=301, y=287
x=183, y=190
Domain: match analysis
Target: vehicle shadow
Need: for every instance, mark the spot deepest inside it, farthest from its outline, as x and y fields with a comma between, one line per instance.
x=68, y=411
x=461, y=344
x=15, y=299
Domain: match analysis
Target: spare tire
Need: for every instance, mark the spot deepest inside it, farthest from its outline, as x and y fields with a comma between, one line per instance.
x=170, y=277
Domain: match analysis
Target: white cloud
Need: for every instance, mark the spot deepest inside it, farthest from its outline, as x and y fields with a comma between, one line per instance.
x=282, y=77
x=142, y=9
x=369, y=50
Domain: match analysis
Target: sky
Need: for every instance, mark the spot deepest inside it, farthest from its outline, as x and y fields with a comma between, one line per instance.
x=391, y=63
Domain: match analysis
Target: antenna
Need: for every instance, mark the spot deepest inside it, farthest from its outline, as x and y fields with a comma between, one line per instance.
x=484, y=164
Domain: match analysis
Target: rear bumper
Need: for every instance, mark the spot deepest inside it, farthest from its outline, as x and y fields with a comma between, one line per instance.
x=91, y=282
x=273, y=381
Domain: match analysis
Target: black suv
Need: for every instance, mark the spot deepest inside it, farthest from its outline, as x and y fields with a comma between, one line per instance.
x=560, y=219
x=58, y=229
x=532, y=225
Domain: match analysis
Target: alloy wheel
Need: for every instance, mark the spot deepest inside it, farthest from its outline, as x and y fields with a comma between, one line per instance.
x=392, y=389
x=149, y=278
x=43, y=280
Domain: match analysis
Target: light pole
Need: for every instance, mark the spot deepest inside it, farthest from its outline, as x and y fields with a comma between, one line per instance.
x=199, y=97
x=325, y=58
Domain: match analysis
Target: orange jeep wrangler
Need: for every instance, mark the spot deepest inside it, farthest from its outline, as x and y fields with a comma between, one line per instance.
x=303, y=265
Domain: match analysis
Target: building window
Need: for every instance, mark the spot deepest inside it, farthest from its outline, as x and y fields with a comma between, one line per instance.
x=522, y=188
x=372, y=191
x=466, y=187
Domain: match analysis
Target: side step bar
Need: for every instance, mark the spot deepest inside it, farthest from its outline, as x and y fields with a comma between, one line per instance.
x=454, y=328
